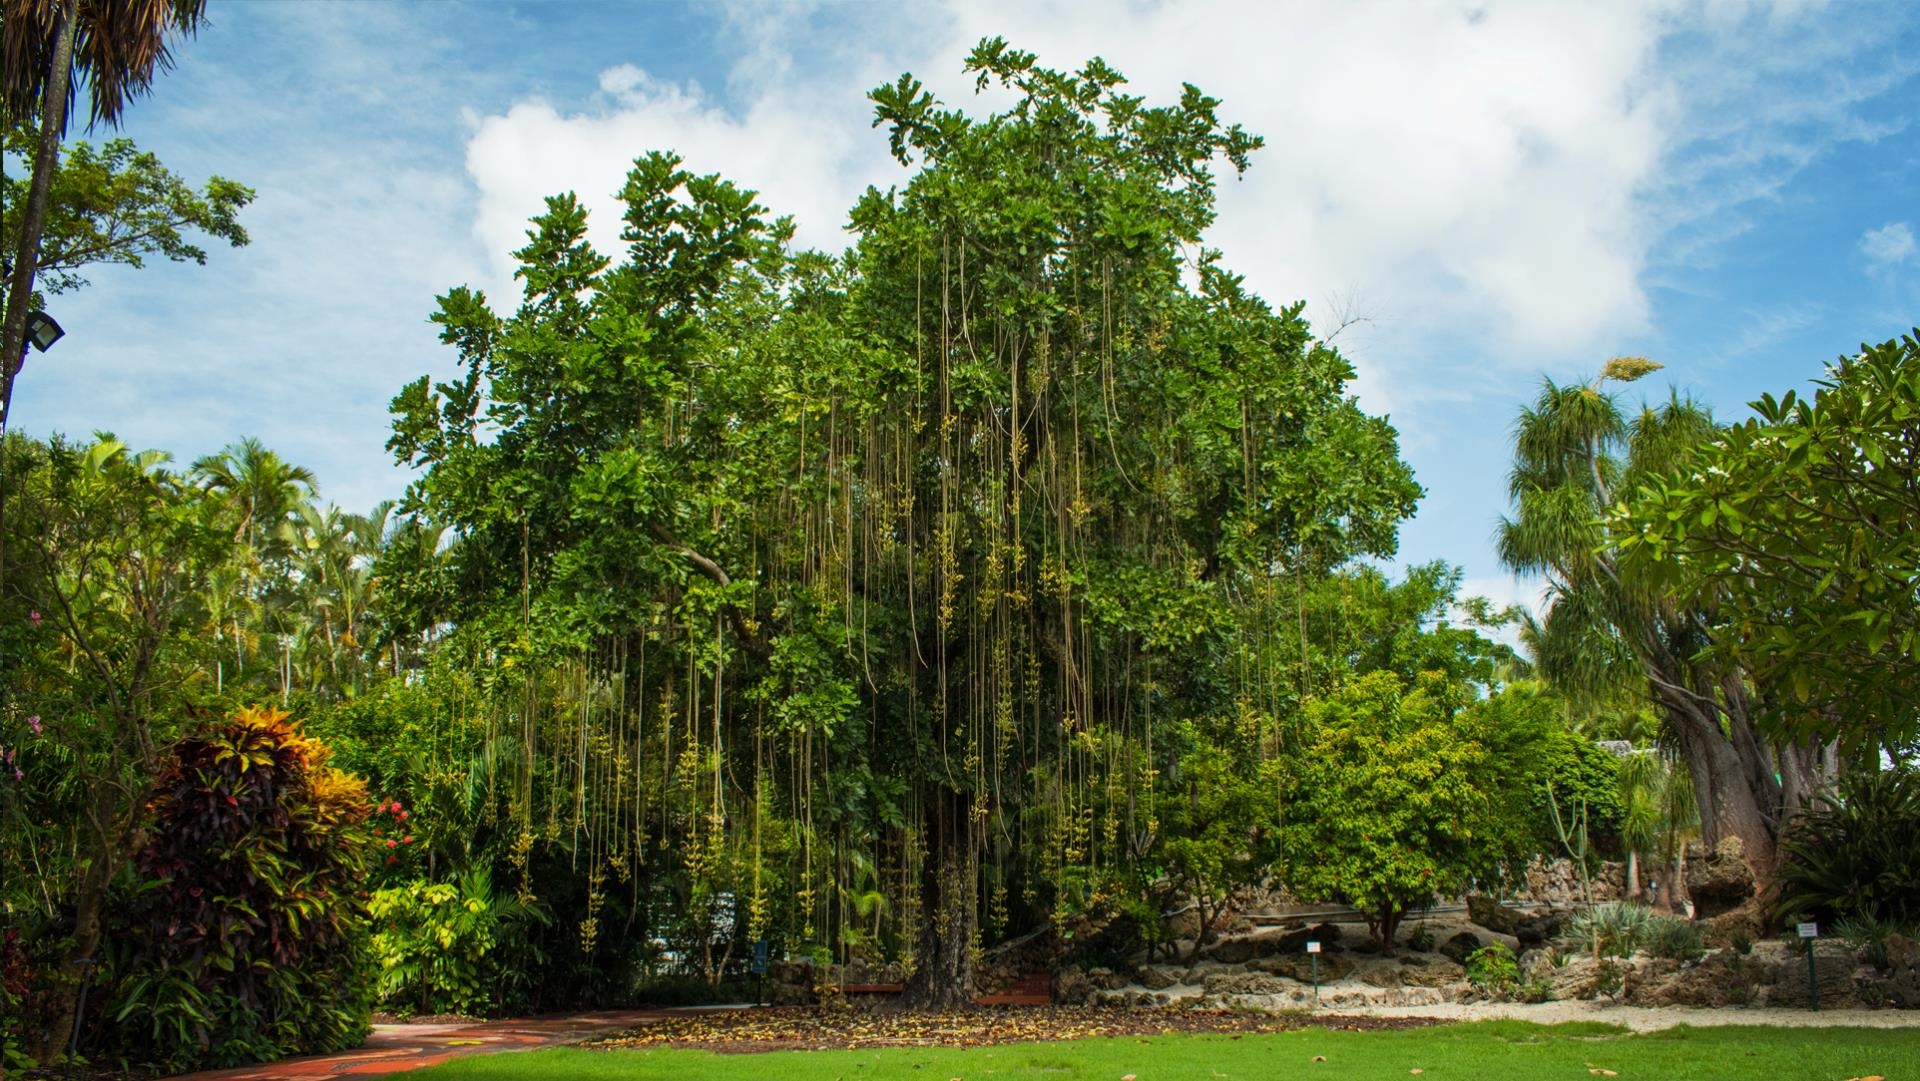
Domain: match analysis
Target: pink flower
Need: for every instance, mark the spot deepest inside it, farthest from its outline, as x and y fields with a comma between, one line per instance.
x=396, y=807
x=33, y=617
x=407, y=840
x=403, y=816
x=391, y=842
x=33, y=722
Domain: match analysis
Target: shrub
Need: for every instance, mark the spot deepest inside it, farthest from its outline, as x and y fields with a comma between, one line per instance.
x=1856, y=856
x=1493, y=969
x=250, y=941
x=1421, y=939
x=1610, y=930
x=1673, y=938
x=1867, y=937
x=435, y=944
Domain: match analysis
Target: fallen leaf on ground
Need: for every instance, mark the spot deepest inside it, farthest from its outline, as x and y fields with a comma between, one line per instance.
x=1605, y=1073
x=790, y=1028
x=1319, y=1058
x=1416, y=1070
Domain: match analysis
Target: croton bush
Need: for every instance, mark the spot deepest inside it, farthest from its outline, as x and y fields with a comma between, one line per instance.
x=250, y=941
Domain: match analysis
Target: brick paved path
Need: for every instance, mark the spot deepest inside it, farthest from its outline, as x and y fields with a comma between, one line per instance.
x=397, y=1048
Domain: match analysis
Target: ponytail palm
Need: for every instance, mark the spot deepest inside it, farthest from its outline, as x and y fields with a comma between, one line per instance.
x=1575, y=453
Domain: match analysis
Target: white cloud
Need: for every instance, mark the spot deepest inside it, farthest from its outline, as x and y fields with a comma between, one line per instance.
x=1475, y=164
x=1888, y=245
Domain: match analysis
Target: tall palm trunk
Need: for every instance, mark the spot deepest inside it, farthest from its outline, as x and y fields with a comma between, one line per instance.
x=26, y=256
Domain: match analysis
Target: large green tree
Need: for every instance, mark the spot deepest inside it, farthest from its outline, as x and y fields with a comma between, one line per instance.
x=1576, y=453
x=1796, y=526
x=112, y=551
x=914, y=546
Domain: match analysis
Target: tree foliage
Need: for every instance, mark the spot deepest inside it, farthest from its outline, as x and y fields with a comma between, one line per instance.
x=917, y=545
x=1795, y=526
x=117, y=205
x=1402, y=794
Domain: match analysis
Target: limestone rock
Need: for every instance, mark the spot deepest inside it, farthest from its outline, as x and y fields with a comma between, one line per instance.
x=1722, y=881
x=1460, y=945
x=1161, y=977
x=1333, y=966
x=1729, y=927
x=1430, y=971
x=1527, y=930
x=1494, y=916
x=1243, y=983
x=1072, y=987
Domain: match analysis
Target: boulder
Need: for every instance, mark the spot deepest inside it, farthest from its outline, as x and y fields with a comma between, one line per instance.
x=1902, y=953
x=1898, y=984
x=1731, y=926
x=1720, y=881
x=1072, y=987
x=1333, y=966
x=1724, y=978
x=1244, y=983
x=791, y=983
x=1527, y=930
x=1460, y=945
x=1430, y=971
x=1161, y=977
x=1539, y=930
x=1494, y=916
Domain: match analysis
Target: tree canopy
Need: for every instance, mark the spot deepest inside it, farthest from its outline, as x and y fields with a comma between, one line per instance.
x=941, y=535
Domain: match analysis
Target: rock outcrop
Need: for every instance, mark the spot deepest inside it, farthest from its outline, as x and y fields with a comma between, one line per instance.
x=1721, y=881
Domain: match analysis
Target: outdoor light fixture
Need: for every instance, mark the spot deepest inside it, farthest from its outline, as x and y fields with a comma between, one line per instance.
x=42, y=331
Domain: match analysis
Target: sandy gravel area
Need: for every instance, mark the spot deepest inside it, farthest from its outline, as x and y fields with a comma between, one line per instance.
x=1649, y=1018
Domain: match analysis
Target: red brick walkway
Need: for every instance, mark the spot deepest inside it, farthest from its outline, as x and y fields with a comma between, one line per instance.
x=397, y=1048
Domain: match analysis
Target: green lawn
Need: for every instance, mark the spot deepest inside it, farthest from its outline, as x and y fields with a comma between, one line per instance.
x=1484, y=1051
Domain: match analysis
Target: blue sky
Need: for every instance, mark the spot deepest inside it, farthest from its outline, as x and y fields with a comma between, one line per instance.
x=1491, y=192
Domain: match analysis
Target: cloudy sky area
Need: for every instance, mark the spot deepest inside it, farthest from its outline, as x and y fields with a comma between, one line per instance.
x=1485, y=193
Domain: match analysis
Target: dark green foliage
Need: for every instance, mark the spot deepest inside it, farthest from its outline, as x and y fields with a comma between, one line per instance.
x=1493, y=969
x=1795, y=525
x=1399, y=795
x=1857, y=856
x=114, y=204
x=253, y=942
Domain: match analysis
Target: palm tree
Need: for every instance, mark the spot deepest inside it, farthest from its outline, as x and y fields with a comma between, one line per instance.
x=260, y=490
x=115, y=47
x=1574, y=452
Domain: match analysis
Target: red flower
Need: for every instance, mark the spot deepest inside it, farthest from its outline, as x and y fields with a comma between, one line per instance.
x=391, y=842
x=403, y=815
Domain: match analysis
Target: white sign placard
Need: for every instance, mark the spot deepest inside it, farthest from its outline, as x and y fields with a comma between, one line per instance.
x=1313, y=947
x=1809, y=930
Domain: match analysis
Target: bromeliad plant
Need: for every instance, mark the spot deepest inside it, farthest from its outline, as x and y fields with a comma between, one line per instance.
x=252, y=940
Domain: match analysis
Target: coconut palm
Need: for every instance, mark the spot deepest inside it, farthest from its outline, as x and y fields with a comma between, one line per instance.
x=1575, y=450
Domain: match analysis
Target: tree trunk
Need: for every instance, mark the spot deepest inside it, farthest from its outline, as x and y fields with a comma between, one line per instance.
x=89, y=910
x=26, y=258
x=1633, y=874
x=1732, y=803
x=949, y=887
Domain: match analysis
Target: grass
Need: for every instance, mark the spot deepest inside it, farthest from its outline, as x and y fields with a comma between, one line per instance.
x=1481, y=1051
